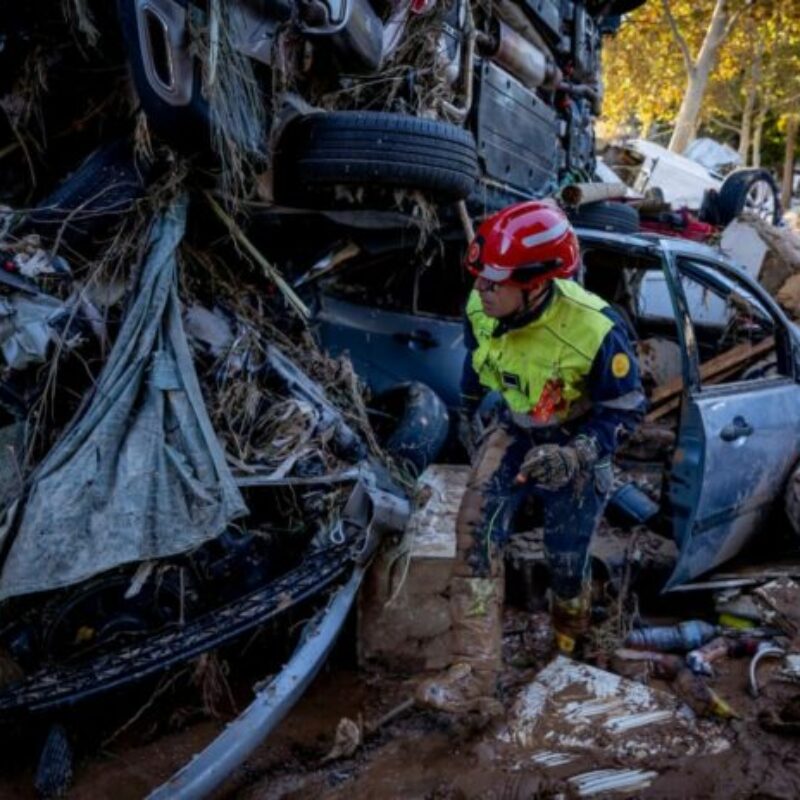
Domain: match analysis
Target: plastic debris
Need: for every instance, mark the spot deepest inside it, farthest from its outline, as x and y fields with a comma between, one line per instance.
x=681, y=637
x=603, y=781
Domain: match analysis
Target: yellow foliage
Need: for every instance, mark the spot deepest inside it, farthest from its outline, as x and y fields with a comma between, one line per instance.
x=645, y=71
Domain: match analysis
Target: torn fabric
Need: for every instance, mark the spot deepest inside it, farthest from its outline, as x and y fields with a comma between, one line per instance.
x=141, y=474
x=26, y=328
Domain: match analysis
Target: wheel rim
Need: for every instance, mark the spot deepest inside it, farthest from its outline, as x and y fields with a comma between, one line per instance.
x=760, y=201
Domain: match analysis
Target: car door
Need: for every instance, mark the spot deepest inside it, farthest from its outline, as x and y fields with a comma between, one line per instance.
x=739, y=431
x=386, y=315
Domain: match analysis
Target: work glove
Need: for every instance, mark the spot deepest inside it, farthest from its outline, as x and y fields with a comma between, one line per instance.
x=470, y=431
x=553, y=466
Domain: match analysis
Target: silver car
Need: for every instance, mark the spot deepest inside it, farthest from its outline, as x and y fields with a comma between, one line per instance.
x=720, y=361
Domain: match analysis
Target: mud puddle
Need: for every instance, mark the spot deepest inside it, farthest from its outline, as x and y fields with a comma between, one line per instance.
x=427, y=755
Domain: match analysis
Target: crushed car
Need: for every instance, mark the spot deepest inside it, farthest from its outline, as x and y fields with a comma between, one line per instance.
x=683, y=197
x=346, y=97
x=136, y=542
x=719, y=360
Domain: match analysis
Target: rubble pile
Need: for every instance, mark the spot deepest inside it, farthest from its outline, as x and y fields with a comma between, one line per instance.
x=771, y=254
x=183, y=464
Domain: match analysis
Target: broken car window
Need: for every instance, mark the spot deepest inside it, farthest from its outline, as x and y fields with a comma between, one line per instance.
x=443, y=284
x=385, y=281
x=734, y=331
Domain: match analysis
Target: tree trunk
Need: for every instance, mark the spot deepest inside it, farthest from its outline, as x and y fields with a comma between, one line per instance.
x=758, y=135
x=688, y=117
x=788, y=161
x=683, y=133
x=744, y=135
x=749, y=105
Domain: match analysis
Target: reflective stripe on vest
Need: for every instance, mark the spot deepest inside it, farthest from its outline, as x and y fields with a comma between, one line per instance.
x=541, y=368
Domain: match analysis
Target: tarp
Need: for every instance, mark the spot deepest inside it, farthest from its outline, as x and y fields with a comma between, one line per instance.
x=140, y=475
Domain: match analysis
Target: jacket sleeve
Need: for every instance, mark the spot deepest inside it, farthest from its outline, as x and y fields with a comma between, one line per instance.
x=614, y=388
x=471, y=390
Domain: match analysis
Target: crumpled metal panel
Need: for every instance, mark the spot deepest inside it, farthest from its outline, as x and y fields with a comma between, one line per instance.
x=517, y=133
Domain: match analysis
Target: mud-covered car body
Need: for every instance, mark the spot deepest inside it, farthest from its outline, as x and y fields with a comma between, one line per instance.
x=719, y=359
x=522, y=78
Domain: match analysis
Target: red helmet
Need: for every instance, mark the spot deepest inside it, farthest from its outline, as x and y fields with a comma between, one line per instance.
x=524, y=245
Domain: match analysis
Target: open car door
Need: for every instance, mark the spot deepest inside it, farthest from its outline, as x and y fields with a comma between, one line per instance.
x=739, y=432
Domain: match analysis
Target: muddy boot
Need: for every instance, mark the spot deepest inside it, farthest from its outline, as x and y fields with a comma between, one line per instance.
x=469, y=685
x=571, y=617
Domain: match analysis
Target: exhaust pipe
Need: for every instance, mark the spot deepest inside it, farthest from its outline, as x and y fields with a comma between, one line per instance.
x=519, y=57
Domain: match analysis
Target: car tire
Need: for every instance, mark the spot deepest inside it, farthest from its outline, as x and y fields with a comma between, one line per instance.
x=749, y=190
x=322, y=151
x=101, y=190
x=606, y=216
x=411, y=423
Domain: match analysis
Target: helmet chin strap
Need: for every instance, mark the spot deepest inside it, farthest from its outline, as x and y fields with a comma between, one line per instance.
x=529, y=303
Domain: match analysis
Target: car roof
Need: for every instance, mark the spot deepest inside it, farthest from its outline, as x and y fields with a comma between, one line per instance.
x=655, y=242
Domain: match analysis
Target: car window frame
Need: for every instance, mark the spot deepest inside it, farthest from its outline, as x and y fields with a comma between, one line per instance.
x=717, y=274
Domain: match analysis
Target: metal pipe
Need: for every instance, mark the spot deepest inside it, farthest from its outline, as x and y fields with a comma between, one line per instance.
x=466, y=222
x=207, y=770
x=522, y=59
x=768, y=651
x=460, y=112
x=510, y=12
x=593, y=93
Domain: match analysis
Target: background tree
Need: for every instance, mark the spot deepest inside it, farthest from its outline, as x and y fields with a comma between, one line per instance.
x=752, y=85
x=698, y=69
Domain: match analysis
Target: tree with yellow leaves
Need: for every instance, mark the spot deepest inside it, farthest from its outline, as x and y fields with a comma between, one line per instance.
x=654, y=83
x=698, y=68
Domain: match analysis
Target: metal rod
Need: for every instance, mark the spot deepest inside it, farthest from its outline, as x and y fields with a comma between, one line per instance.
x=460, y=112
x=345, y=476
x=207, y=770
x=466, y=222
x=765, y=652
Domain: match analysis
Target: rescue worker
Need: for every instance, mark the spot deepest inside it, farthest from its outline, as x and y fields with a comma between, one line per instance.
x=563, y=363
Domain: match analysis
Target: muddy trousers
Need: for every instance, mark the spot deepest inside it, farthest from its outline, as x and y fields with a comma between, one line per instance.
x=484, y=525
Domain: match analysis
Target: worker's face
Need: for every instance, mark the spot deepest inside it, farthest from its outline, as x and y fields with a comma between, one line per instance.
x=501, y=300
x=498, y=299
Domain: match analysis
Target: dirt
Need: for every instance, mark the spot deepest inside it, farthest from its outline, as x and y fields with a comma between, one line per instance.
x=428, y=755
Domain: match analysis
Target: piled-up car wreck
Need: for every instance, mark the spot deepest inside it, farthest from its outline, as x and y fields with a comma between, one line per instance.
x=186, y=457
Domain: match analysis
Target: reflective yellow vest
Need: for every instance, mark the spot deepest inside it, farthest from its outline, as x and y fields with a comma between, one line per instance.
x=541, y=368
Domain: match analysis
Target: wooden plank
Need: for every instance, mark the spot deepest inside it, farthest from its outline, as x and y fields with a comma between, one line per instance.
x=727, y=362
x=674, y=403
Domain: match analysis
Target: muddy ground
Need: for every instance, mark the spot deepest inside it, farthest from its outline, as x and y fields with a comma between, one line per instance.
x=417, y=755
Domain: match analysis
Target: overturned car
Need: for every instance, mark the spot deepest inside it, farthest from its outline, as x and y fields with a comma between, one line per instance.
x=358, y=95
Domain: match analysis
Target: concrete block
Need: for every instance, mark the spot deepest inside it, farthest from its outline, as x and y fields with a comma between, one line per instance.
x=403, y=608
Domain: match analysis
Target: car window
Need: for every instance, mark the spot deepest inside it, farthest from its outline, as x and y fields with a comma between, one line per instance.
x=443, y=285
x=734, y=330
x=385, y=281
x=632, y=283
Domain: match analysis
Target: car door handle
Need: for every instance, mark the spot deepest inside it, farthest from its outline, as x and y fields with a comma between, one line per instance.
x=736, y=430
x=418, y=340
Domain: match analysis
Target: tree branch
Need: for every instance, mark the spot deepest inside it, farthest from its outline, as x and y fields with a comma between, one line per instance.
x=687, y=56
x=786, y=101
x=732, y=20
x=724, y=125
